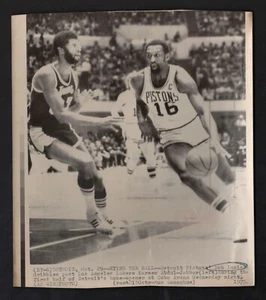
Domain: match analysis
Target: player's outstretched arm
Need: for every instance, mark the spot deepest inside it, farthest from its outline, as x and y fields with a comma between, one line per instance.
x=47, y=83
x=145, y=123
x=81, y=99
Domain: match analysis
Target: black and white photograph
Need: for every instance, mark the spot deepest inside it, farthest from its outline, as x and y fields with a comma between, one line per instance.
x=132, y=149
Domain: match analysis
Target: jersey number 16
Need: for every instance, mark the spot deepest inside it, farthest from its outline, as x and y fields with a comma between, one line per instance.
x=170, y=109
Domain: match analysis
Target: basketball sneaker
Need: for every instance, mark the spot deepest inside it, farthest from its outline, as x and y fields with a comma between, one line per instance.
x=114, y=224
x=105, y=216
x=99, y=224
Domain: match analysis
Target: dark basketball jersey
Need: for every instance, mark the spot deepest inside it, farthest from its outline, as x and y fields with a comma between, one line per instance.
x=41, y=114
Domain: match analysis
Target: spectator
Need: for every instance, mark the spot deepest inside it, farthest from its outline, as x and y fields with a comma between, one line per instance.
x=216, y=23
x=240, y=128
x=176, y=37
x=218, y=70
x=225, y=140
x=241, y=153
x=113, y=42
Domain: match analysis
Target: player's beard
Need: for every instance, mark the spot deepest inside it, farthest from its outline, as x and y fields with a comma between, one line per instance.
x=157, y=70
x=70, y=58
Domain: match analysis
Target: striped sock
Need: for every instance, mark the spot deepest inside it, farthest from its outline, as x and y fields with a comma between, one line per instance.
x=151, y=172
x=130, y=172
x=220, y=204
x=87, y=188
x=100, y=200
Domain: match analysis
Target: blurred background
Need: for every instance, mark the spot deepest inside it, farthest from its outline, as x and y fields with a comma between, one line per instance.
x=210, y=45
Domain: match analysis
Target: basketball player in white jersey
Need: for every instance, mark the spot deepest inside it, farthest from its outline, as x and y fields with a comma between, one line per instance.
x=54, y=112
x=170, y=105
x=134, y=142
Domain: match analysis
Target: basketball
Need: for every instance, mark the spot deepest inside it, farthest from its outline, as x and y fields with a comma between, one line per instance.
x=201, y=161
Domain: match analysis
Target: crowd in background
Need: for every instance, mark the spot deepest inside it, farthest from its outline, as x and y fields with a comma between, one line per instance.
x=97, y=23
x=209, y=23
x=218, y=23
x=232, y=133
x=220, y=70
x=38, y=54
x=104, y=69
x=106, y=148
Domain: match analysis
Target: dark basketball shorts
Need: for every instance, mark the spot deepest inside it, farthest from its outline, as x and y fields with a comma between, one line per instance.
x=40, y=140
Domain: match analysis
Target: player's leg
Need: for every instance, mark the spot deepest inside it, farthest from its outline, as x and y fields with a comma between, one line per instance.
x=224, y=170
x=148, y=150
x=84, y=164
x=176, y=157
x=133, y=153
x=100, y=194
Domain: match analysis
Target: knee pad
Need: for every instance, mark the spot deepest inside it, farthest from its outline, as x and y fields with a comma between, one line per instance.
x=98, y=181
x=86, y=168
x=85, y=184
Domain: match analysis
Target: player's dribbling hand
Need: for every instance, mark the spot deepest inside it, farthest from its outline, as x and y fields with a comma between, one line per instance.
x=147, y=137
x=114, y=120
x=213, y=143
x=83, y=97
x=217, y=147
x=148, y=130
x=112, y=123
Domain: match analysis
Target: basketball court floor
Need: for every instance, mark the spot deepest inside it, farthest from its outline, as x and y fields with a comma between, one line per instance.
x=156, y=222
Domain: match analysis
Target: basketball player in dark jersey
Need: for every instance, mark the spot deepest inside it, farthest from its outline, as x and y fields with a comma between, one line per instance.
x=171, y=107
x=54, y=113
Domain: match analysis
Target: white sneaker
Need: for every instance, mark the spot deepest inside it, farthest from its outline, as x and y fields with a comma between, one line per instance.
x=114, y=224
x=108, y=219
x=99, y=224
x=105, y=216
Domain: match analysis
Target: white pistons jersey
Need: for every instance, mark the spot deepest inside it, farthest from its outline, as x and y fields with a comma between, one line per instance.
x=168, y=108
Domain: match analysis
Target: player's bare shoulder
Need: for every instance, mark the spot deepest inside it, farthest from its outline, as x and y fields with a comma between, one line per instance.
x=44, y=76
x=185, y=83
x=44, y=72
